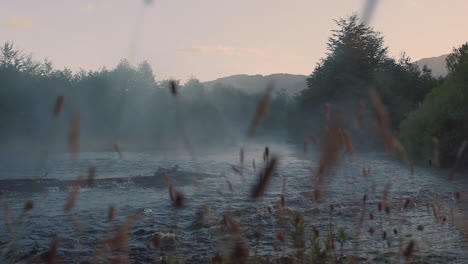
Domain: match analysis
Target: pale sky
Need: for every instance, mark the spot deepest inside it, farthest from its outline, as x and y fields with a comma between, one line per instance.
x=209, y=39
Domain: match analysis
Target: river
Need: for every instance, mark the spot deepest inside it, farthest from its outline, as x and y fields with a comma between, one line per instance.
x=81, y=231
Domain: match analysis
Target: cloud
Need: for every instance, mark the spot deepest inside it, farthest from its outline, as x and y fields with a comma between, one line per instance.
x=414, y=3
x=223, y=50
x=219, y=49
x=18, y=22
x=91, y=7
x=94, y=7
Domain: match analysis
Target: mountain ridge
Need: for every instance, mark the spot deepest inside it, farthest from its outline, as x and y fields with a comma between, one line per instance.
x=294, y=83
x=436, y=64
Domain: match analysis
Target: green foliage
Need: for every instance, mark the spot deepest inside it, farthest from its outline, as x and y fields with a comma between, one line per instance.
x=355, y=52
x=125, y=103
x=356, y=61
x=402, y=87
x=342, y=238
x=298, y=235
x=443, y=114
x=321, y=253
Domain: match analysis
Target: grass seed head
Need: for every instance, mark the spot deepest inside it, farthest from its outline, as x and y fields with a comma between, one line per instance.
x=408, y=251
x=259, y=188
x=59, y=102
x=111, y=213
x=262, y=109
x=29, y=206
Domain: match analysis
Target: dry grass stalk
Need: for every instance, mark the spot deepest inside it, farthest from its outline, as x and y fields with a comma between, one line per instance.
x=283, y=193
x=206, y=214
x=384, y=205
x=74, y=135
x=407, y=203
x=29, y=206
x=167, y=179
x=313, y=139
x=231, y=223
x=236, y=169
x=51, y=255
x=173, y=87
x=366, y=171
x=157, y=241
x=341, y=138
x=76, y=223
x=217, y=259
x=408, y=252
x=348, y=143
x=230, y=185
x=362, y=217
x=362, y=111
x=74, y=194
x=315, y=232
x=240, y=252
x=435, y=155
x=401, y=150
x=241, y=154
x=91, y=176
x=327, y=112
x=120, y=260
x=383, y=120
x=259, y=188
x=177, y=197
x=262, y=109
x=119, y=241
x=111, y=213
x=195, y=182
x=330, y=150
x=254, y=166
x=461, y=149
x=258, y=235
x=461, y=197
x=59, y=102
x=7, y=217
x=117, y=149
x=329, y=155
x=460, y=222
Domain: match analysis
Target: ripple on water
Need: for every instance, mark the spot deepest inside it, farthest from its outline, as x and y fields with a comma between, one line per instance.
x=437, y=243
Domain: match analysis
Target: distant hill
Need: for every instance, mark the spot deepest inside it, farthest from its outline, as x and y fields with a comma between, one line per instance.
x=436, y=64
x=296, y=83
x=257, y=83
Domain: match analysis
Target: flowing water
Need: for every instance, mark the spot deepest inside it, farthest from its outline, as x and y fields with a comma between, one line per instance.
x=81, y=231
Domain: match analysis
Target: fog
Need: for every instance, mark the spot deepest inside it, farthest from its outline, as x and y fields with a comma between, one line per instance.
x=243, y=169
x=126, y=105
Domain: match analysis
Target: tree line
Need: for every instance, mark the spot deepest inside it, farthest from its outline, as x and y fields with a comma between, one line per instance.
x=128, y=103
x=428, y=115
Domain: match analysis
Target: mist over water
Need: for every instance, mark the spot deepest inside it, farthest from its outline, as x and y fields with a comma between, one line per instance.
x=151, y=201
x=362, y=161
